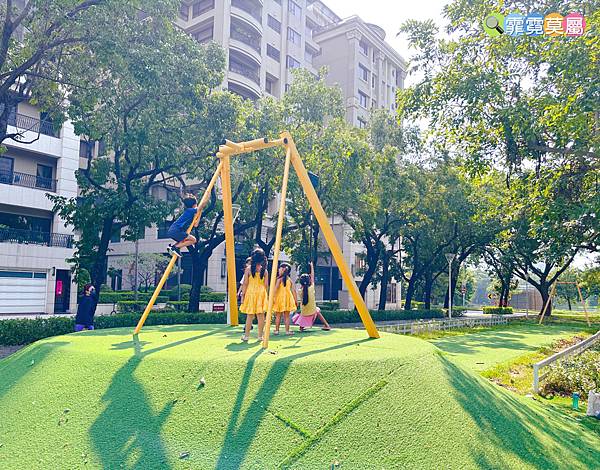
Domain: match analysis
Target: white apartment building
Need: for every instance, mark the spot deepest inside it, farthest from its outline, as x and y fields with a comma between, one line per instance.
x=34, y=242
x=264, y=40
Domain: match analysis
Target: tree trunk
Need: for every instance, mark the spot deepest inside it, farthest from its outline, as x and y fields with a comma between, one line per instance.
x=544, y=290
x=368, y=275
x=569, y=303
x=427, y=288
x=199, y=267
x=410, y=292
x=99, y=267
x=385, y=277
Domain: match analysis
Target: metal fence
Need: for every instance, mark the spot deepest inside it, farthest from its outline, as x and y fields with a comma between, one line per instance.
x=570, y=351
x=28, y=181
x=28, y=123
x=428, y=326
x=33, y=237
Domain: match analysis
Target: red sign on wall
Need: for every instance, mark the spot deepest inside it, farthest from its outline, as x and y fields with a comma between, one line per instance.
x=59, y=287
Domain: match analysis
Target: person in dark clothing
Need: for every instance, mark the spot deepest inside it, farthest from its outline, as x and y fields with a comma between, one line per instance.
x=84, y=320
x=178, y=230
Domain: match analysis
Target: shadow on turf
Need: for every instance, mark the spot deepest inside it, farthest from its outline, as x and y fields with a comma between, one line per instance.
x=515, y=427
x=241, y=431
x=516, y=339
x=23, y=362
x=128, y=432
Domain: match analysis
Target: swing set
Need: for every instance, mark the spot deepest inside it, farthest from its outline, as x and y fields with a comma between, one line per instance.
x=226, y=151
x=553, y=293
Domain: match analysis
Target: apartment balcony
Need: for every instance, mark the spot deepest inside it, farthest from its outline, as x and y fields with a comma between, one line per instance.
x=31, y=124
x=33, y=237
x=250, y=10
x=245, y=37
x=244, y=71
x=25, y=180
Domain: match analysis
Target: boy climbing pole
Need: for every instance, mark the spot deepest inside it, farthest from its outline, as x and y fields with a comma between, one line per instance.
x=178, y=229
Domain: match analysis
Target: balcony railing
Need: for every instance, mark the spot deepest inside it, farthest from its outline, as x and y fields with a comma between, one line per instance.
x=244, y=70
x=28, y=181
x=249, y=7
x=28, y=123
x=246, y=38
x=32, y=237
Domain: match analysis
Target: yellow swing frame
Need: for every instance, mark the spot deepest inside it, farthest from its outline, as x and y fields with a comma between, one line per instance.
x=226, y=151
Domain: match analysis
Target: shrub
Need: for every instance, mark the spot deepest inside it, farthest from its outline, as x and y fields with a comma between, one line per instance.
x=498, y=310
x=458, y=311
x=213, y=297
x=574, y=374
x=179, y=305
x=115, y=297
x=105, y=288
x=206, y=290
x=129, y=306
x=185, y=292
x=329, y=305
x=25, y=331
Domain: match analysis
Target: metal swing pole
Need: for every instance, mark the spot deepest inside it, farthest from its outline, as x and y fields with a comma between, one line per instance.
x=171, y=264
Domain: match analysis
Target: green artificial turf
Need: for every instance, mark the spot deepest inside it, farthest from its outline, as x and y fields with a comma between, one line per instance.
x=96, y=400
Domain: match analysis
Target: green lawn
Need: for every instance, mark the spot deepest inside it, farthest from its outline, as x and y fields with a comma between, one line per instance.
x=89, y=400
x=484, y=349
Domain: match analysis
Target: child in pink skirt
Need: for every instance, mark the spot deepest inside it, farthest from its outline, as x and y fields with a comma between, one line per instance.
x=309, y=311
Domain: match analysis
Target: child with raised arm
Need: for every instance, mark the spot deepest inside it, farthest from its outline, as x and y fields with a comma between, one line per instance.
x=178, y=229
x=309, y=311
x=254, y=293
x=285, y=299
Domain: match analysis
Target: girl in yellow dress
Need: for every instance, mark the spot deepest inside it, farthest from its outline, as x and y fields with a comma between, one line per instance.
x=285, y=299
x=254, y=292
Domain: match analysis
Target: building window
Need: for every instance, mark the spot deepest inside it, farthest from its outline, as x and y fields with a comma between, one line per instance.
x=363, y=72
x=6, y=170
x=202, y=7
x=270, y=83
x=116, y=233
x=391, y=294
x=223, y=268
x=203, y=35
x=287, y=87
x=163, y=230
x=373, y=104
x=273, y=53
x=278, y=1
x=362, y=124
x=360, y=264
x=364, y=48
x=363, y=99
x=274, y=24
x=373, y=80
x=294, y=8
x=308, y=56
x=294, y=36
x=43, y=178
x=292, y=63
x=184, y=12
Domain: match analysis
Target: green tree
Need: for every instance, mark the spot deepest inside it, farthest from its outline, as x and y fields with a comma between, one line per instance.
x=150, y=100
x=527, y=105
x=40, y=45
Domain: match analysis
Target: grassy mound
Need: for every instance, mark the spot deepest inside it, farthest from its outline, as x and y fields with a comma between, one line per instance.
x=95, y=400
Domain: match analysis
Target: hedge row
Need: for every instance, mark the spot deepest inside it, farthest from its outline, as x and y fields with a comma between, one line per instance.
x=498, y=310
x=24, y=331
x=165, y=296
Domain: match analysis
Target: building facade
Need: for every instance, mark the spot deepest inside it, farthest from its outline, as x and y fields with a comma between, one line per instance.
x=35, y=276
x=264, y=40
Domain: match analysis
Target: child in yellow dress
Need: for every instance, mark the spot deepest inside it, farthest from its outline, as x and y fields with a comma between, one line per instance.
x=285, y=299
x=254, y=293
